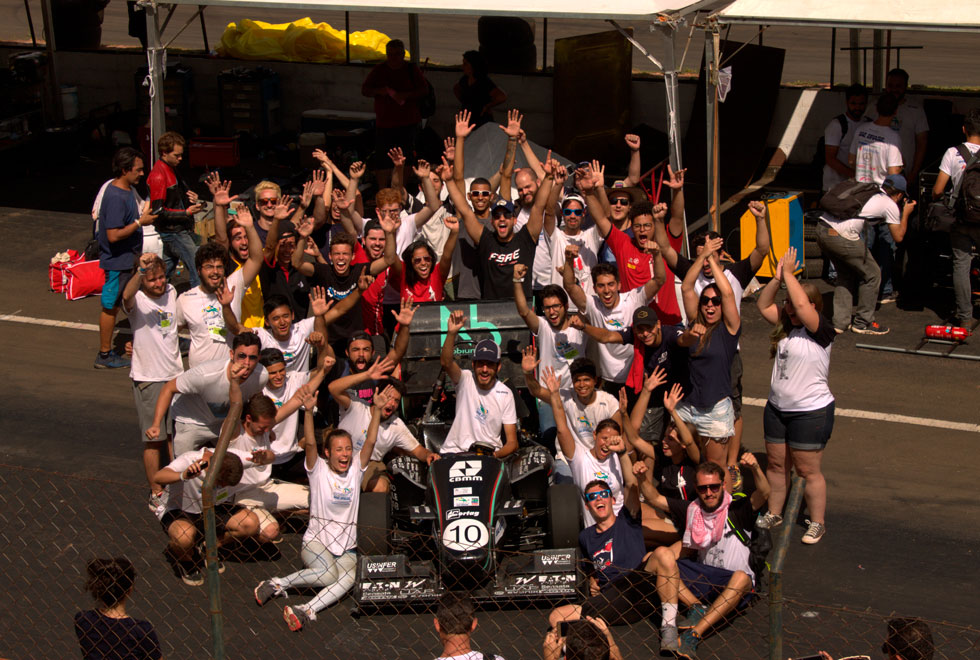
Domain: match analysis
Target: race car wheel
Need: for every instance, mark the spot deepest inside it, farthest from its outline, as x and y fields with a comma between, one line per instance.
x=563, y=516
x=373, y=524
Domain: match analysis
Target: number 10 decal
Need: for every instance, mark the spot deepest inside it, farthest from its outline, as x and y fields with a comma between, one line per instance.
x=462, y=535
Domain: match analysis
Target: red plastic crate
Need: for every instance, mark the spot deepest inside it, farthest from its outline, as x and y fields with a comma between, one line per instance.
x=213, y=152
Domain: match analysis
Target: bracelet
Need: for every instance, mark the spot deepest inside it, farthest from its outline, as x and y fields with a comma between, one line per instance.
x=142, y=270
x=517, y=280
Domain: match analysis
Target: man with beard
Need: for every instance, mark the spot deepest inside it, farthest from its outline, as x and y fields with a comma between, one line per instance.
x=484, y=405
x=714, y=565
x=231, y=234
x=199, y=309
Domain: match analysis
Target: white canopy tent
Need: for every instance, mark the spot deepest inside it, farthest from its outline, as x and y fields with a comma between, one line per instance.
x=873, y=14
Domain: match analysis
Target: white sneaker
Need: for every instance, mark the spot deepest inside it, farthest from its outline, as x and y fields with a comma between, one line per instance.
x=769, y=520
x=814, y=532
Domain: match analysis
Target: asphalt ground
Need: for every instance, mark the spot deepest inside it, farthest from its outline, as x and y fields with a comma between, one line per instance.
x=444, y=38
x=902, y=534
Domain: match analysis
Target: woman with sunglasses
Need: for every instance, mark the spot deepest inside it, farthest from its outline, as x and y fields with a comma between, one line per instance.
x=419, y=275
x=711, y=341
x=799, y=415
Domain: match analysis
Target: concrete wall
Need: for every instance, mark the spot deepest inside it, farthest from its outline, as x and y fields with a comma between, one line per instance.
x=108, y=75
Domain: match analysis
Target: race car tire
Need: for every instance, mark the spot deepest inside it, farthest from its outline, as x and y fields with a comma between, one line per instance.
x=373, y=524
x=563, y=516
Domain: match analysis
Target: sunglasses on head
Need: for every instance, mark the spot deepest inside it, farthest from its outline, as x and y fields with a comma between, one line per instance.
x=704, y=488
x=479, y=193
x=575, y=212
x=714, y=300
x=598, y=494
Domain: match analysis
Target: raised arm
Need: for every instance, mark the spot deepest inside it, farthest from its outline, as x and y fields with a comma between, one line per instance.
x=226, y=296
x=805, y=311
x=671, y=399
x=761, y=249
x=389, y=257
x=630, y=434
x=463, y=128
x=529, y=363
x=473, y=226
x=635, y=170
x=448, y=356
x=600, y=335
x=378, y=403
x=566, y=440
x=532, y=159
x=531, y=319
x=898, y=231
x=398, y=171
x=767, y=297
x=250, y=269
x=551, y=206
x=650, y=493
x=303, y=231
x=222, y=200
x=356, y=172
x=535, y=219
x=592, y=181
x=652, y=382
x=761, y=493
x=729, y=306
x=338, y=387
x=133, y=285
x=309, y=435
x=574, y=290
x=513, y=131
x=422, y=169
x=688, y=293
x=403, y=317
x=631, y=490
x=658, y=274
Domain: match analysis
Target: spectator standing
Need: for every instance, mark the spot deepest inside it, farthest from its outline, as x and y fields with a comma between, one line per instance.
x=964, y=237
x=396, y=86
x=231, y=234
x=911, y=123
x=799, y=415
x=177, y=204
x=119, y=232
x=108, y=632
x=475, y=91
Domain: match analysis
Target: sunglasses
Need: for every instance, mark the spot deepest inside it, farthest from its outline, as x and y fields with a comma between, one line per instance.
x=704, y=488
x=267, y=201
x=714, y=300
x=421, y=260
x=389, y=212
x=619, y=201
x=575, y=212
x=479, y=193
x=599, y=494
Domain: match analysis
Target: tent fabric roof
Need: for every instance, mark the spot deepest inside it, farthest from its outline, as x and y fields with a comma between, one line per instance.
x=589, y=9
x=925, y=15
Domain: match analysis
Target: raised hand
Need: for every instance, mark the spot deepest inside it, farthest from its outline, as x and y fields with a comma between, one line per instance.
x=748, y=460
x=406, y=312
x=583, y=179
x=305, y=227
x=598, y=175
x=640, y=469
x=422, y=168
x=659, y=212
x=365, y=281
x=617, y=444
x=551, y=380
x=571, y=253
x=789, y=261
x=713, y=246
x=463, y=125
x=561, y=176
x=396, y=156
x=449, y=149
x=225, y=295
x=221, y=192
x=529, y=358
x=758, y=209
x=356, y=170
x=522, y=137
x=318, y=301
x=656, y=378
x=513, y=127
x=633, y=141
x=237, y=371
x=673, y=397
x=307, y=197
x=389, y=224
x=281, y=211
x=310, y=398
x=451, y=222
x=456, y=321
x=340, y=199
x=575, y=321
x=380, y=367
x=319, y=182
x=316, y=339
x=520, y=270
x=698, y=330
x=244, y=217
x=675, y=180
x=146, y=259
x=382, y=398
x=446, y=169
x=212, y=181
x=321, y=156
x=624, y=409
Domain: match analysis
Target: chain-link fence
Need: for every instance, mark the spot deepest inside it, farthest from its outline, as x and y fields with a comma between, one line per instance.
x=52, y=525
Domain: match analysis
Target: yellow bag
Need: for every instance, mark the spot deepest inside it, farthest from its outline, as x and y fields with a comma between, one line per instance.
x=299, y=41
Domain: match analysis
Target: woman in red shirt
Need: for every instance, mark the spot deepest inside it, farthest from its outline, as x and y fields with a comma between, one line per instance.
x=418, y=273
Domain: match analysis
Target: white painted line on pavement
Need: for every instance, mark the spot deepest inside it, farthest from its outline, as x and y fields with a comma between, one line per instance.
x=887, y=417
x=49, y=322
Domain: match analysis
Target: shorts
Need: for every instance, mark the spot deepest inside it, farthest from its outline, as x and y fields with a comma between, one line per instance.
x=222, y=514
x=707, y=582
x=717, y=422
x=145, y=393
x=653, y=424
x=373, y=469
x=115, y=282
x=188, y=437
x=737, y=384
x=807, y=430
x=629, y=599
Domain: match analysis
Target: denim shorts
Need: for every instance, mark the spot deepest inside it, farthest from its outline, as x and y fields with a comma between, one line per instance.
x=716, y=422
x=807, y=430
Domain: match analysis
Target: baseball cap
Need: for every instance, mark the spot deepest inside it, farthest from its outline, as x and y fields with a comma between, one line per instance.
x=502, y=207
x=644, y=316
x=486, y=351
x=572, y=198
x=287, y=229
x=897, y=181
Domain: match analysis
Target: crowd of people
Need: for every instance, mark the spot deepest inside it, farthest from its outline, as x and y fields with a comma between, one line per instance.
x=300, y=312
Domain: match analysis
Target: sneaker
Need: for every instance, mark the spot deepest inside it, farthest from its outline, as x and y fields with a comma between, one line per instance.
x=295, y=618
x=736, y=475
x=110, y=360
x=202, y=552
x=694, y=614
x=841, y=331
x=688, y=646
x=769, y=520
x=266, y=591
x=190, y=573
x=888, y=299
x=814, y=532
x=669, y=638
x=157, y=502
x=873, y=329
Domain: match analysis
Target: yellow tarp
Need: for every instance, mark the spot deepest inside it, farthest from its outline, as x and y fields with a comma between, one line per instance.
x=299, y=41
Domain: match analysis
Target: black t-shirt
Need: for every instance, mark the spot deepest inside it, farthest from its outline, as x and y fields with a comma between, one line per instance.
x=105, y=638
x=475, y=97
x=676, y=480
x=287, y=282
x=663, y=356
x=495, y=267
x=616, y=551
x=338, y=287
x=742, y=270
x=710, y=370
x=466, y=260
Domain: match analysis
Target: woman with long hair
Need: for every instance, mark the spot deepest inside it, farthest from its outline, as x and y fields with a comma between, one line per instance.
x=475, y=90
x=799, y=415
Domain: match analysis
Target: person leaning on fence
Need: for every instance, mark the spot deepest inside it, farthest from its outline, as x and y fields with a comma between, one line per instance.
x=108, y=632
x=715, y=561
x=908, y=639
x=799, y=415
x=455, y=622
x=329, y=548
x=587, y=639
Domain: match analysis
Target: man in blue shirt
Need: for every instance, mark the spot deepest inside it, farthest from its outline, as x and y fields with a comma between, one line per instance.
x=119, y=231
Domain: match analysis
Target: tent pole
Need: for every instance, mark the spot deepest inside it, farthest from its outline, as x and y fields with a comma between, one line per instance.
x=711, y=46
x=155, y=56
x=413, y=37
x=54, y=109
x=668, y=34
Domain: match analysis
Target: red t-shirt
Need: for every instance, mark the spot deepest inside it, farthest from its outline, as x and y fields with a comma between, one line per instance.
x=634, y=271
x=665, y=302
x=371, y=309
x=429, y=290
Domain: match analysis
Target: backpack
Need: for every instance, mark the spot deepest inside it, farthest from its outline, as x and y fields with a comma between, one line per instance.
x=968, y=201
x=820, y=157
x=845, y=200
x=759, y=543
x=944, y=212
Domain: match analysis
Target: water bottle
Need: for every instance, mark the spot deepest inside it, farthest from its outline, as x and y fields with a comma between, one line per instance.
x=949, y=332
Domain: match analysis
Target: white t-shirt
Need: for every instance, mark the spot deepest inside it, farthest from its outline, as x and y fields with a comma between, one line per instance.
x=615, y=359
x=201, y=313
x=586, y=468
x=541, y=269
x=254, y=474
x=406, y=233
x=879, y=207
x=334, y=499
x=589, y=243
x=285, y=444
x=909, y=121
x=203, y=398
x=156, y=350
x=558, y=349
x=728, y=553
x=392, y=432
x=953, y=164
x=877, y=148
x=582, y=418
x=832, y=138
x=799, y=372
x=480, y=414
x=186, y=495
x=295, y=348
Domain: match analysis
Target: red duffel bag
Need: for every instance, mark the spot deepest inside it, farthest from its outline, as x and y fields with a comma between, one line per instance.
x=85, y=278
